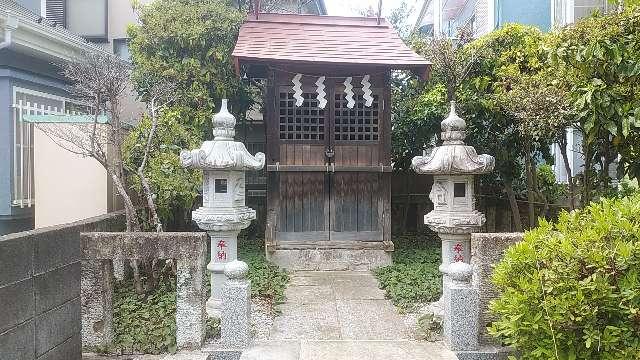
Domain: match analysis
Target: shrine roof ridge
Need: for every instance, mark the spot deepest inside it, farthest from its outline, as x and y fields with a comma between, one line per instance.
x=313, y=39
x=319, y=19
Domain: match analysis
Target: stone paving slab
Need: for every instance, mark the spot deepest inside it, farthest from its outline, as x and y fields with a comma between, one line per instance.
x=348, y=350
x=273, y=350
x=337, y=305
x=374, y=350
x=370, y=320
x=332, y=278
x=315, y=321
x=358, y=293
x=307, y=294
x=182, y=355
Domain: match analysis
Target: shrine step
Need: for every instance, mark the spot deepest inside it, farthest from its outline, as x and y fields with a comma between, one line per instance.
x=325, y=257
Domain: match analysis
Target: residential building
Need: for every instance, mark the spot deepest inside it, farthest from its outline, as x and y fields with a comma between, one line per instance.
x=37, y=34
x=483, y=16
x=447, y=17
x=311, y=7
x=30, y=83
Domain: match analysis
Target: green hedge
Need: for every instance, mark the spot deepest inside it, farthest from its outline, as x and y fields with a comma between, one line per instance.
x=571, y=290
x=413, y=278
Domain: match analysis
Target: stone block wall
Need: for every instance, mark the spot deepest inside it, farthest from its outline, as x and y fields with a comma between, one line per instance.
x=487, y=249
x=40, y=290
x=100, y=249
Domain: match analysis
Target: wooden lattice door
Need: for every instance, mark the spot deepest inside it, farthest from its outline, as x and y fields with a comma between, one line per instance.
x=356, y=202
x=329, y=171
x=303, y=213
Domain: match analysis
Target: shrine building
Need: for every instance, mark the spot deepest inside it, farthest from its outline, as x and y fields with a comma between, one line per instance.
x=327, y=119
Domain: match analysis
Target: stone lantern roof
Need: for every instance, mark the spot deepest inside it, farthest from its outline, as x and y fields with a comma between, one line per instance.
x=222, y=153
x=453, y=157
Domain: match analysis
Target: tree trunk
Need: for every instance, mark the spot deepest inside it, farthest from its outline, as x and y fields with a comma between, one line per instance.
x=405, y=213
x=133, y=224
x=530, y=187
x=508, y=188
x=586, y=178
x=562, y=144
x=143, y=179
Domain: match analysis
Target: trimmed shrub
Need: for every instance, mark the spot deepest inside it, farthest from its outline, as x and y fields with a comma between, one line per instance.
x=571, y=290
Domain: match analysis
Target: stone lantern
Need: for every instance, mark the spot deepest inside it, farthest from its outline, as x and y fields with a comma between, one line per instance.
x=453, y=166
x=223, y=212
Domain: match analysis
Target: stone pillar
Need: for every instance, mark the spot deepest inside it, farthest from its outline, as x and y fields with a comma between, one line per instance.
x=235, y=325
x=191, y=315
x=461, y=306
x=96, y=293
x=224, y=250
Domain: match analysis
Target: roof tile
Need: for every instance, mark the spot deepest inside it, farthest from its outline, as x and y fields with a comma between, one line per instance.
x=324, y=39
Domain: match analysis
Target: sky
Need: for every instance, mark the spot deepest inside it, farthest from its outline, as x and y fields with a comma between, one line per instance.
x=351, y=7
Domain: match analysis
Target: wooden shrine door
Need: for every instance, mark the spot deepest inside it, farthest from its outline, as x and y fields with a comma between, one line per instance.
x=328, y=167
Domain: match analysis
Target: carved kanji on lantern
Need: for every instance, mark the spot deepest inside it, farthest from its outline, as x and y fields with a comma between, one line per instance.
x=458, y=252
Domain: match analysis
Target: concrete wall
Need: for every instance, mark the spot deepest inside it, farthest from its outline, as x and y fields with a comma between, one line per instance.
x=69, y=187
x=487, y=249
x=40, y=290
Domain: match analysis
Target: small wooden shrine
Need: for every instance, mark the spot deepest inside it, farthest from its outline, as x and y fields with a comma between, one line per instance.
x=328, y=125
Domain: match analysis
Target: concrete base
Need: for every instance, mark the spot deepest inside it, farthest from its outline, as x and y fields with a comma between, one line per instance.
x=330, y=259
x=486, y=353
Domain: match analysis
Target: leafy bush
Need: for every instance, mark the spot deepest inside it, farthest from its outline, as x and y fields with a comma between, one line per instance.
x=188, y=43
x=145, y=323
x=430, y=327
x=552, y=191
x=267, y=279
x=414, y=277
x=571, y=290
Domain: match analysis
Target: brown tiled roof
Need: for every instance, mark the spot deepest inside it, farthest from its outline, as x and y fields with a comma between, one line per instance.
x=310, y=39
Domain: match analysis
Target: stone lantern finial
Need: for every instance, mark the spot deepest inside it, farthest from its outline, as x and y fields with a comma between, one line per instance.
x=453, y=128
x=224, y=123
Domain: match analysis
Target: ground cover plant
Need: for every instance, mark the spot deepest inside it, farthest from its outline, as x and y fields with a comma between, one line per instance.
x=145, y=323
x=414, y=278
x=569, y=290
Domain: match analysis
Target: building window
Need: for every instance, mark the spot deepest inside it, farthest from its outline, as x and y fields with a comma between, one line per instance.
x=569, y=11
x=256, y=179
x=55, y=10
x=584, y=8
x=87, y=18
x=121, y=49
x=29, y=102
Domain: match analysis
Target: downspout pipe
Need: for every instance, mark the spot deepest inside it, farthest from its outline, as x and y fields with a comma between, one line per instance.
x=10, y=25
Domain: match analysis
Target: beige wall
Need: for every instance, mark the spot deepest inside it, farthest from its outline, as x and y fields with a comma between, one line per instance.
x=120, y=16
x=68, y=187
